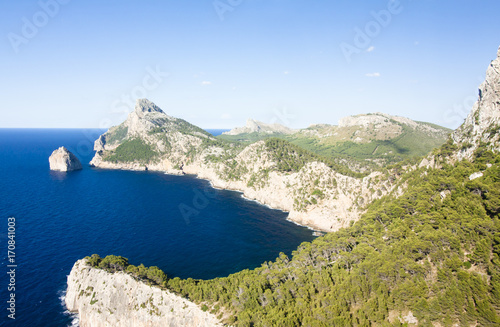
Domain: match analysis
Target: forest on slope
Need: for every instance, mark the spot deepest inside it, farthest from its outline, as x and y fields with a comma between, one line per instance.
x=429, y=255
x=433, y=251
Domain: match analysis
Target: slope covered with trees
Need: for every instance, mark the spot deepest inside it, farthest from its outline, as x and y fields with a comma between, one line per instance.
x=433, y=252
x=427, y=253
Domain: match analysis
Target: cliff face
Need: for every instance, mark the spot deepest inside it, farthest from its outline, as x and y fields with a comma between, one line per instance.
x=315, y=195
x=105, y=299
x=482, y=125
x=63, y=160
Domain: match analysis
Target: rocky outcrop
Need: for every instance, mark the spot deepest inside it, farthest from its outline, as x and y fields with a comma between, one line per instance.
x=254, y=126
x=482, y=125
x=63, y=160
x=116, y=299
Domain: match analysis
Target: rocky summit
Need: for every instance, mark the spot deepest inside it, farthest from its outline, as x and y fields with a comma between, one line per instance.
x=63, y=160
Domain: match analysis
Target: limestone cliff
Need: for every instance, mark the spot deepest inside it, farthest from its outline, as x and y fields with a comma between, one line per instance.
x=63, y=160
x=482, y=125
x=105, y=299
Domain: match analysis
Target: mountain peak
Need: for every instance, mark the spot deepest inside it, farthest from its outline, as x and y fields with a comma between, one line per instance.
x=482, y=125
x=143, y=106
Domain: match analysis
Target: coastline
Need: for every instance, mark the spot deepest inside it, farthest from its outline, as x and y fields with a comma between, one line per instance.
x=314, y=229
x=316, y=196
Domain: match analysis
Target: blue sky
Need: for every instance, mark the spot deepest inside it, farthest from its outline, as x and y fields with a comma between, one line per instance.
x=78, y=64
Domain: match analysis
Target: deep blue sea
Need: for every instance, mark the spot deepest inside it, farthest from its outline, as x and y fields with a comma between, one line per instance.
x=63, y=217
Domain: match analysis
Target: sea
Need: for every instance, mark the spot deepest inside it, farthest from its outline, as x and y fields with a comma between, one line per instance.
x=49, y=220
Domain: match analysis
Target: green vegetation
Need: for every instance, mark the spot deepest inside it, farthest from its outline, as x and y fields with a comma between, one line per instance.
x=112, y=263
x=343, y=150
x=248, y=138
x=132, y=150
x=409, y=144
x=171, y=124
x=291, y=158
x=434, y=250
x=438, y=257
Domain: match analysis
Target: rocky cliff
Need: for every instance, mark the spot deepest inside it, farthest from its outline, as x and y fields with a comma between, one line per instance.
x=482, y=125
x=314, y=193
x=105, y=299
x=63, y=160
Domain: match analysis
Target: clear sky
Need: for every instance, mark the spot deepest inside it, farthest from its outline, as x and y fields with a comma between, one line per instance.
x=68, y=63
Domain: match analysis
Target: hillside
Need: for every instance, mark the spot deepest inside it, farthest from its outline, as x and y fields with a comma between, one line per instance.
x=425, y=254
x=430, y=256
x=115, y=298
x=363, y=142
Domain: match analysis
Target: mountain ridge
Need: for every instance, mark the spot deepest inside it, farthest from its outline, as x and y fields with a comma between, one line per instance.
x=364, y=142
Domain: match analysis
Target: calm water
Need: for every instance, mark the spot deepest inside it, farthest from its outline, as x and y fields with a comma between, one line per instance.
x=62, y=217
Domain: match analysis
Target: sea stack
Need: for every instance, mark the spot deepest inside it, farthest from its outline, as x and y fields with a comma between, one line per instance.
x=63, y=160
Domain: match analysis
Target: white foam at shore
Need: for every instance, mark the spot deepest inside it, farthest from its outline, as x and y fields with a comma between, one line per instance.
x=75, y=319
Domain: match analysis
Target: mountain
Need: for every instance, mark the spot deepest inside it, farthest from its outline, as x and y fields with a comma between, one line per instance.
x=254, y=126
x=362, y=142
x=149, y=139
x=425, y=254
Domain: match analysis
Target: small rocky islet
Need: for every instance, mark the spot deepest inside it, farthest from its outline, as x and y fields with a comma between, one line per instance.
x=63, y=160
